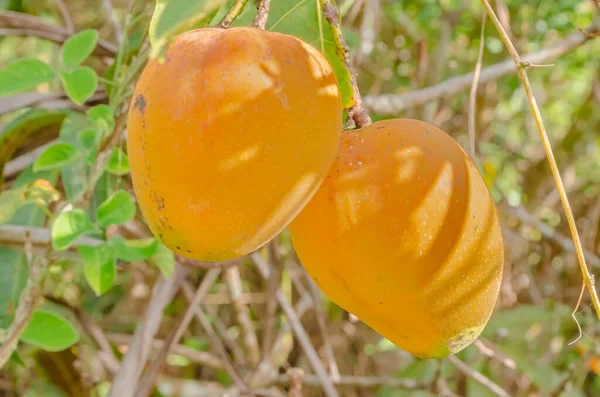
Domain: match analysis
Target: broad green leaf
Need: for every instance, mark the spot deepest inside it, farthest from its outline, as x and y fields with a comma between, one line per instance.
x=116, y=210
x=23, y=128
x=305, y=20
x=78, y=47
x=177, y=16
x=103, y=189
x=24, y=75
x=39, y=192
x=134, y=250
x=68, y=227
x=102, y=117
x=99, y=266
x=13, y=277
x=75, y=175
x=118, y=163
x=13, y=263
x=50, y=332
x=80, y=84
x=164, y=259
x=56, y=156
x=88, y=139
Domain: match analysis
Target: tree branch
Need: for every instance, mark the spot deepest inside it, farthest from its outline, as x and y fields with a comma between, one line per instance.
x=152, y=373
x=262, y=14
x=478, y=377
x=126, y=379
x=394, y=103
x=19, y=24
x=301, y=335
x=356, y=112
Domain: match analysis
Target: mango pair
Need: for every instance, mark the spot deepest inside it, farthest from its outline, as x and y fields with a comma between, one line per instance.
x=236, y=134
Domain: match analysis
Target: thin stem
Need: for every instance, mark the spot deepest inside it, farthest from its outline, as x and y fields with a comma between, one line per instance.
x=356, y=112
x=588, y=279
x=301, y=335
x=64, y=13
x=234, y=12
x=478, y=377
x=260, y=21
x=153, y=372
x=473, y=95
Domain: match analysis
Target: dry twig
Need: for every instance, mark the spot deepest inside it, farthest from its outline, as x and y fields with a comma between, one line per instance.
x=394, y=103
x=242, y=313
x=588, y=279
x=64, y=13
x=262, y=14
x=359, y=381
x=110, y=15
x=201, y=358
x=126, y=379
x=478, y=377
x=216, y=342
x=300, y=333
x=147, y=382
x=19, y=24
x=473, y=96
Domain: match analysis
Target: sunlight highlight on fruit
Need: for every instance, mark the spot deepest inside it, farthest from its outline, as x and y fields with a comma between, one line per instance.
x=403, y=233
x=230, y=137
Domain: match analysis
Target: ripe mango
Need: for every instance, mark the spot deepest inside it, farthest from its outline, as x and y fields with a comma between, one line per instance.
x=229, y=137
x=404, y=234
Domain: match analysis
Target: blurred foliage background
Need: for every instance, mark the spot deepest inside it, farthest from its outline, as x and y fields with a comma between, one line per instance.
x=414, y=58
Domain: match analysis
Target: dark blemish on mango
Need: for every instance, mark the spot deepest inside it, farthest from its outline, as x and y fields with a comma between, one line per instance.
x=178, y=247
x=140, y=103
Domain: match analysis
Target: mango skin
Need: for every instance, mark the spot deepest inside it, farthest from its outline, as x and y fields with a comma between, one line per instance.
x=230, y=137
x=403, y=233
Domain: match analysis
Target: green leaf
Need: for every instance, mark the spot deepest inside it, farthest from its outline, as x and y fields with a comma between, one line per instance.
x=74, y=176
x=56, y=156
x=49, y=332
x=32, y=213
x=99, y=266
x=116, y=210
x=164, y=259
x=102, y=116
x=134, y=250
x=40, y=192
x=176, y=16
x=304, y=20
x=80, y=84
x=13, y=277
x=118, y=163
x=24, y=75
x=23, y=128
x=78, y=47
x=89, y=141
x=68, y=227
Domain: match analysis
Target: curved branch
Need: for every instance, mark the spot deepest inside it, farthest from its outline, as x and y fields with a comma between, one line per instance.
x=394, y=103
x=521, y=65
x=356, y=112
x=18, y=24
